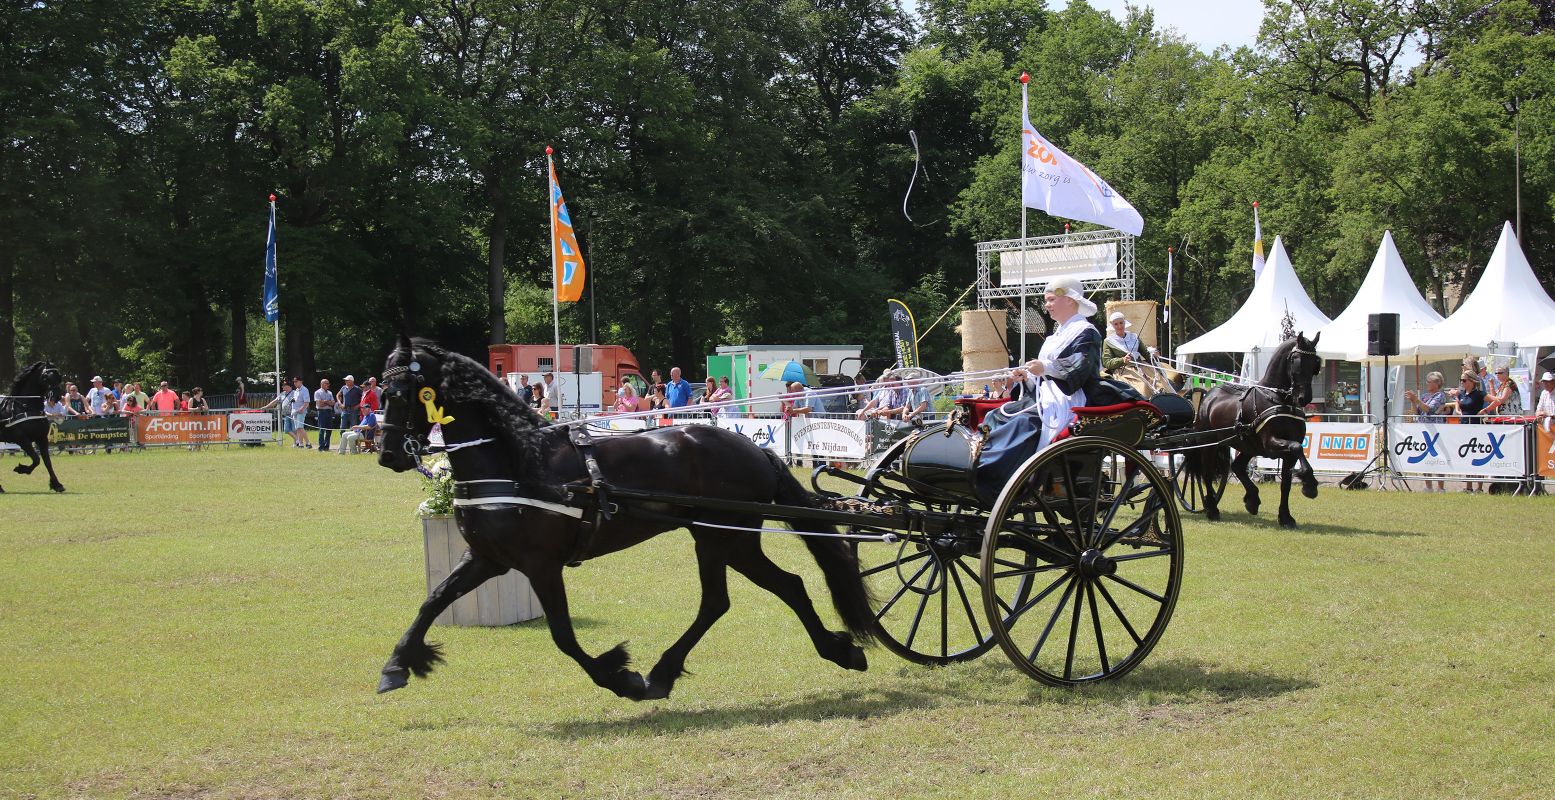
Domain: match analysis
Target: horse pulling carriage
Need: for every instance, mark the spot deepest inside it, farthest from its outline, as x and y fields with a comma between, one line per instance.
x=1072, y=566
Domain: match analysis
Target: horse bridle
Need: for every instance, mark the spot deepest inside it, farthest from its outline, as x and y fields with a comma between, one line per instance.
x=415, y=444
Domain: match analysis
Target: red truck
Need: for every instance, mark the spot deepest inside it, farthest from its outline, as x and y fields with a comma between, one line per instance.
x=613, y=363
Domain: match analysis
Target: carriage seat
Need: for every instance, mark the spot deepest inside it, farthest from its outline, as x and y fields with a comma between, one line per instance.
x=1126, y=423
x=978, y=407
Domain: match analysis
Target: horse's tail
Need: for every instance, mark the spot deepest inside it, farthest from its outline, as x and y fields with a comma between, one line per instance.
x=1208, y=464
x=838, y=563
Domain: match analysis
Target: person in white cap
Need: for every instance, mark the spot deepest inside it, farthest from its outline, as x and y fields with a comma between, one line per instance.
x=94, y=398
x=1065, y=375
x=1121, y=346
x=1545, y=410
x=349, y=401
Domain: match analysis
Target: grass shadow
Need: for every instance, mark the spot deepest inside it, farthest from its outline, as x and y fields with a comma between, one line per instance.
x=1179, y=682
x=1271, y=523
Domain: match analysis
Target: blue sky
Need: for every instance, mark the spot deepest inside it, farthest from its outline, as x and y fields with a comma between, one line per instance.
x=1206, y=24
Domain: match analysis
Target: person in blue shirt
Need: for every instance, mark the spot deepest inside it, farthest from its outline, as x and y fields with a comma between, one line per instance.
x=678, y=390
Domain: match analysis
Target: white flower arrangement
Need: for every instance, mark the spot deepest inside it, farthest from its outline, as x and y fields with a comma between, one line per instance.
x=438, y=481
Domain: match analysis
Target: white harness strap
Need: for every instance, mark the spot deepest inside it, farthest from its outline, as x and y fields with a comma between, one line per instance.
x=515, y=500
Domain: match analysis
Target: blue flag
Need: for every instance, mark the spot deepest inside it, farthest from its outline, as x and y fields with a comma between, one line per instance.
x=272, y=287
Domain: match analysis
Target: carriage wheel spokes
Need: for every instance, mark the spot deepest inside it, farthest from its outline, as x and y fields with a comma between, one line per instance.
x=1111, y=603
x=924, y=611
x=1191, y=488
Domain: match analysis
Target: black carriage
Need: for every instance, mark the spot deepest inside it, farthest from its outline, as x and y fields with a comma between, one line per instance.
x=1073, y=569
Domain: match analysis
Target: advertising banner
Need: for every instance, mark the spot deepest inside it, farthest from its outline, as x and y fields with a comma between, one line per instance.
x=1545, y=451
x=1339, y=446
x=250, y=426
x=768, y=434
x=904, y=334
x=180, y=429
x=91, y=432
x=1479, y=451
x=829, y=438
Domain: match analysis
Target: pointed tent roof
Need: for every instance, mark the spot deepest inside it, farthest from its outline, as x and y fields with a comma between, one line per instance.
x=1507, y=306
x=1388, y=288
x=1257, y=322
x=1544, y=337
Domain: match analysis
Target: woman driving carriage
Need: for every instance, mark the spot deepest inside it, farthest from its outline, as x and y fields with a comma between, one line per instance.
x=1065, y=375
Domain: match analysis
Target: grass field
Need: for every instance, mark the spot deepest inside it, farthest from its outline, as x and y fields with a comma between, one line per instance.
x=212, y=624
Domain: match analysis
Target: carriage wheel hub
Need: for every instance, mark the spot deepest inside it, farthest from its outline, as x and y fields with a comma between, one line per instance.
x=1093, y=564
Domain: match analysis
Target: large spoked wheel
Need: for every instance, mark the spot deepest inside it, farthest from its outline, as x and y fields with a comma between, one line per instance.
x=1083, y=568
x=925, y=587
x=1190, y=488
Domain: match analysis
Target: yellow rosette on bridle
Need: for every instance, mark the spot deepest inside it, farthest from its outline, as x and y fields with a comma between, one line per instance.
x=435, y=415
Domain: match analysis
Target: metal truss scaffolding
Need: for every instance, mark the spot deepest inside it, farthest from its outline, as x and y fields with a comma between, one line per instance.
x=991, y=295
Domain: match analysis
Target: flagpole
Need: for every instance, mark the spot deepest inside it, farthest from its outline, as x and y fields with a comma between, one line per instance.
x=1025, y=264
x=556, y=289
x=1170, y=353
x=276, y=325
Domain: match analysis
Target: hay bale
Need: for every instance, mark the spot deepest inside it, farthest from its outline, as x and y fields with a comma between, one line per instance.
x=984, y=335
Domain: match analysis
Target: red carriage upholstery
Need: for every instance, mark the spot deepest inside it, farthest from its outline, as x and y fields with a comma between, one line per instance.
x=978, y=407
x=1122, y=422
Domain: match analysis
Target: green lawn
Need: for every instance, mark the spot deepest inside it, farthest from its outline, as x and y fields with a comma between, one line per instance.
x=212, y=624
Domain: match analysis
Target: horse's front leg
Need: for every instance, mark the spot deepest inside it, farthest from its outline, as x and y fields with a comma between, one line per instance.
x=43, y=450
x=412, y=654
x=713, y=570
x=1308, y=477
x=1239, y=466
x=609, y=670
x=1289, y=458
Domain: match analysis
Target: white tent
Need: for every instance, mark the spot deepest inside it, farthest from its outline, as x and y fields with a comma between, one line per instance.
x=1255, y=329
x=1388, y=288
x=1508, y=305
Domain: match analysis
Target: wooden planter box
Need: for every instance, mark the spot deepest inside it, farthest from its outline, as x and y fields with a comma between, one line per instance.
x=503, y=600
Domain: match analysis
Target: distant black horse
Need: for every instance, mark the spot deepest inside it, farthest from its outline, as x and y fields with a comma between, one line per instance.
x=510, y=465
x=22, y=421
x=1272, y=413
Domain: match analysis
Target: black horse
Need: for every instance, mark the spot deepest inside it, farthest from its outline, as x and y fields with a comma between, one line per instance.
x=22, y=421
x=510, y=465
x=1273, y=423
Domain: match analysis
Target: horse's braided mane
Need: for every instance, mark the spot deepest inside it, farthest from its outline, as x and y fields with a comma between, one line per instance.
x=466, y=380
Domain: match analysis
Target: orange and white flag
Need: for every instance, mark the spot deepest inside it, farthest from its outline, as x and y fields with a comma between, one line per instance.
x=566, y=257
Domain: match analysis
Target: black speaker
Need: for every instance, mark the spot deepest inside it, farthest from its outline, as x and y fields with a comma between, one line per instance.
x=583, y=357
x=1382, y=335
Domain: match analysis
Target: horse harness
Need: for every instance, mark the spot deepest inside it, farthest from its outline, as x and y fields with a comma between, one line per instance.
x=1283, y=407
x=567, y=500
x=12, y=412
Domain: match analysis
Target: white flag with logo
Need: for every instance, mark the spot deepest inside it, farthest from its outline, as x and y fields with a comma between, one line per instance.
x=1051, y=181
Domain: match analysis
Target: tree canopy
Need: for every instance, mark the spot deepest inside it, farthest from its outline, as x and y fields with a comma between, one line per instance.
x=736, y=170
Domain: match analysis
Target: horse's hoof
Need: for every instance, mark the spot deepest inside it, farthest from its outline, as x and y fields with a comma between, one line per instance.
x=657, y=691
x=1309, y=492
x=857, y=661
x=1212, y=515
x=393, y=679
x=633, y=687
x=58, y=487
x=1288, y=524
x=21, y=469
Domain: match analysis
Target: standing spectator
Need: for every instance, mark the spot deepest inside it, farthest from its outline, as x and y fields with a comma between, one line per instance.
x=118, y=391
x=709, y=388
x=1504, y=400
x=324, y=404
x=370, y=397
x=1428, y=406
x=94, y=397
x=656, y=382
x=798, y=402
x=1471, y=403
x=56, y=410
x=109, y=406
x=656, y=400
x=75, y=402
x=678, y=390
x=141, y=399
x=242, y=398
x=165, y=399
x=131, y=406
x=526, y=392
x=297, y=408
x=626, y=399
x=1545, y=410
x=197, y=400
x=183, y=401
x=549, y=399
x=350, y=406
